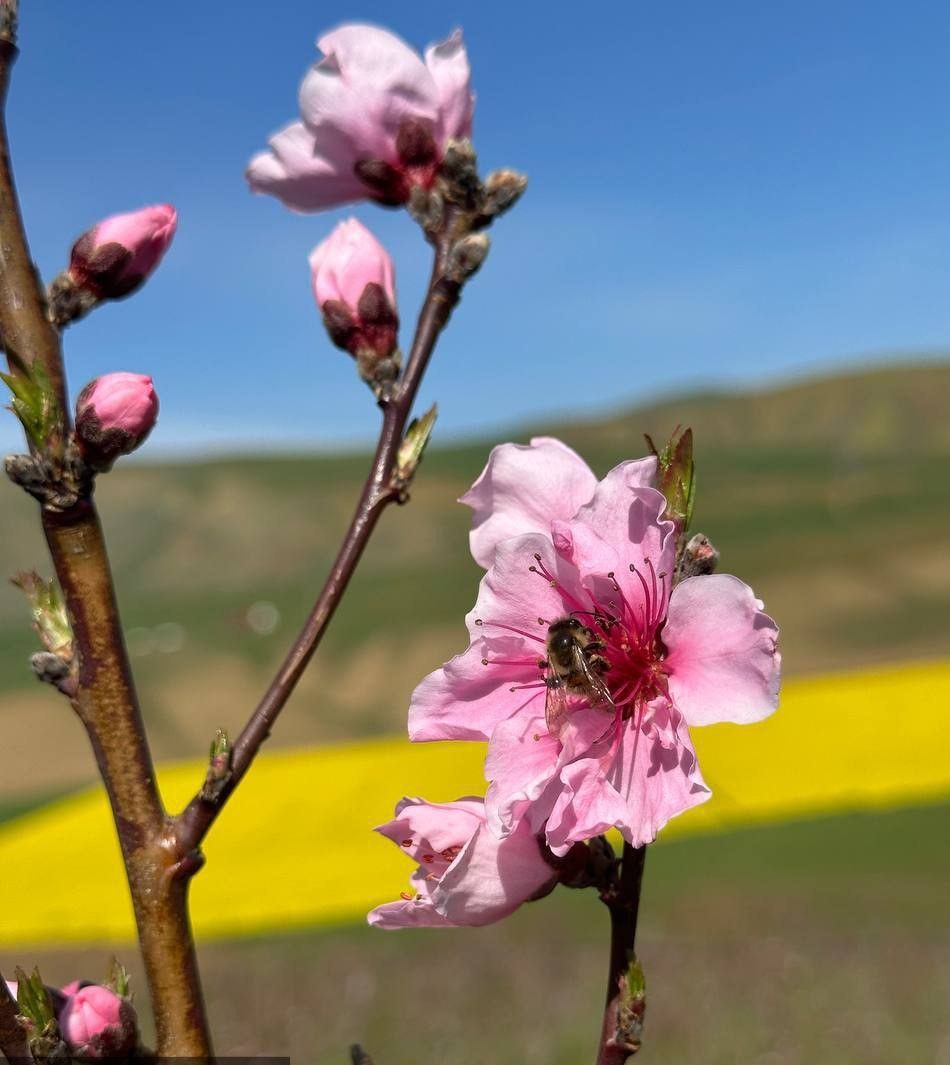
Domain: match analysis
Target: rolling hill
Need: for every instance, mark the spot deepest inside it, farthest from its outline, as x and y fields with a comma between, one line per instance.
x=829, y=496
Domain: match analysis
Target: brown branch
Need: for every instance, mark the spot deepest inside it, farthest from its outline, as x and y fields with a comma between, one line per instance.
x=14, y=1044
x=623, y=1013
x=105, y=700
x=192, y=825
x=27, y=335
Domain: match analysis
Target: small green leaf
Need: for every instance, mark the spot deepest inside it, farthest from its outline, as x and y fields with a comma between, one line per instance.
x=413, y=446
x=119, y=979
x=631, y=1007
x=34, y=1001
x=34, y=402
x=675, y=475
x=48, y=612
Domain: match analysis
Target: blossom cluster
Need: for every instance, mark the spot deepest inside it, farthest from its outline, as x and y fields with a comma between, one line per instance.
x=587, y=665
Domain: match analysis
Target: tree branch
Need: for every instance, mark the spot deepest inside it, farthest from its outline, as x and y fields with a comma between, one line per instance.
x=192, y=825
x=623, y=1013
x=14, y=1044
x=105, y=700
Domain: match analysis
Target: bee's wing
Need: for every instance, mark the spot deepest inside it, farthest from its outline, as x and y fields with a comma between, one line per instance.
x=555, y=703
x=594, y=687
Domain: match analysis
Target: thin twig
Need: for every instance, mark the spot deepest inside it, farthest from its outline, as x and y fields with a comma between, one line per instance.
x=192, y=825
x=623, y=1013
x=105, y=700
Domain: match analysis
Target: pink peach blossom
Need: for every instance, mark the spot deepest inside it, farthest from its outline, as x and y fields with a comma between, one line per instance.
x=466, y=875
x=116, y=256
x=97, y=1023
x=559, y=544
x=114, y=415
x=375, y=120
x=354, y=286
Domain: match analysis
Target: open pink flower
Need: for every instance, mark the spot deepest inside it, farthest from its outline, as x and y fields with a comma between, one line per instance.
x=466, y=875
x=354, y=285
x=559, y=545
x=376, y=119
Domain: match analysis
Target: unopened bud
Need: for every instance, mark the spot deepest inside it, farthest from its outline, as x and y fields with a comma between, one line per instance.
x=219, y=767
x=354, y=286
x=502, y=190
x=114, y=415
x=467, y=255
x=459, y=173
x=97, y=1023
x=699, y=557
x=114, y=258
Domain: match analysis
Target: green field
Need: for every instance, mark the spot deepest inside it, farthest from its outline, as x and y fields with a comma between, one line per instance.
x=819, y=943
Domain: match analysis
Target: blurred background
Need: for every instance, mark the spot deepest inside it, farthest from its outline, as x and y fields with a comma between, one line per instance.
x=738, y=221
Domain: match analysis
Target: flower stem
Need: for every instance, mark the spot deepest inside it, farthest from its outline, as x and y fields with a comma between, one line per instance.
x=105, y=699
x=623, y=1012
x=380, y=489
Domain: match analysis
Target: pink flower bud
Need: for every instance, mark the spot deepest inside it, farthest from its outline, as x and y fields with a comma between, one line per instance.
x=114, y=414
x=354, y=286
x=12, y=988
x=116, y=256
x=97, y=1023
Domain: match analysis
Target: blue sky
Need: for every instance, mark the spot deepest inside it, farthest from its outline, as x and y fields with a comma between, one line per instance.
x=720, y=193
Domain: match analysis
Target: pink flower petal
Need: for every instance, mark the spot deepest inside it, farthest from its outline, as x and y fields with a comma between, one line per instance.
x=448, y=65
x=300, y=176
x=491, y=878
x=411, y=913
x=522, y=490
x=466, y=699
x=651, y=777
x=368, y=83
x=422, y=828
x=722, y=659
x=522, y=760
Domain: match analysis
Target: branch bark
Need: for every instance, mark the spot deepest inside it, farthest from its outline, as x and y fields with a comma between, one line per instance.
x=623, y=1013
x=194, y=822
x=14, y=1044
x=106, y=701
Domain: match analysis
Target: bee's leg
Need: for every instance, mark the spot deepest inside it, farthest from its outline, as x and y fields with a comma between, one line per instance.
x=599, y=663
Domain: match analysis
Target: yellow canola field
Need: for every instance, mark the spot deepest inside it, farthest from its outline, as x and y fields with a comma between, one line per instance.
x=294, y=846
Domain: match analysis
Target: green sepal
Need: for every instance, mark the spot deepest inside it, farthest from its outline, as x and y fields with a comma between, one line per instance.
x=35, y=1003
x=413, y=445
x=119, y=979
x=675, y=477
